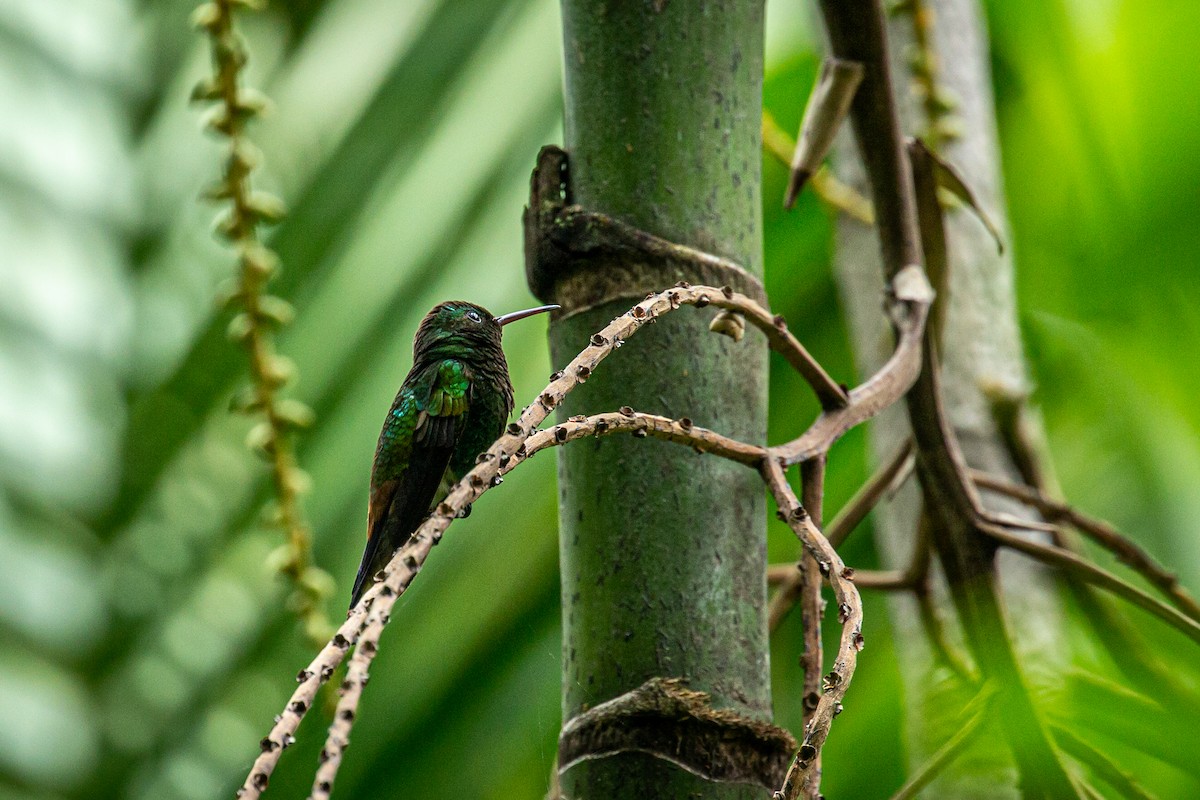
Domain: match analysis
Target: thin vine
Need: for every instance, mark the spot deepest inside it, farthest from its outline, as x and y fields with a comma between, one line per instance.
x=259, y=313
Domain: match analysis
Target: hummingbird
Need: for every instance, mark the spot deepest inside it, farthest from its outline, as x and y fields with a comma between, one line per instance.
x=452, y=405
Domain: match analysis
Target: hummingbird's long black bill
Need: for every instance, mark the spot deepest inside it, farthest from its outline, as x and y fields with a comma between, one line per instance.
x=504, y=319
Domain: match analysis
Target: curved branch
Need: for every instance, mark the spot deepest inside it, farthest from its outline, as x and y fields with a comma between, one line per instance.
x=1100, y=532
x=908, y=306
x=320, y=670
x=886, y=480
x=829, y=392
x=800, y=777
x=896, y=470
x=346, y=711
x=681, y=431
x=1098, y=576
x=812, y=607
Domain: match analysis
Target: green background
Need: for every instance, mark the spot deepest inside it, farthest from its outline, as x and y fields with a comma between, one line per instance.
x=143, y=648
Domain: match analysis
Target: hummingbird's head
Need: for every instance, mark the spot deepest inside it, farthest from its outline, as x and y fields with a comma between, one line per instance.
x=458, y=329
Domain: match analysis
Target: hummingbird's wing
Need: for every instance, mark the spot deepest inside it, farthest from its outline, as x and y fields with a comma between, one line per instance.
x=425, y=424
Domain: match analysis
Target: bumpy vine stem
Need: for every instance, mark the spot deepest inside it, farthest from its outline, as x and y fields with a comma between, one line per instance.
x=351, y=690
x=246, y=210
x=802, y=778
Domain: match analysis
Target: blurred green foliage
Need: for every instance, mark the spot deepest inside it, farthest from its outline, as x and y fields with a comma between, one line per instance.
x=144, y=646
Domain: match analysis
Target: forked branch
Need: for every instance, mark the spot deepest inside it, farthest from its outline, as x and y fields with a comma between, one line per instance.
x=909, y=300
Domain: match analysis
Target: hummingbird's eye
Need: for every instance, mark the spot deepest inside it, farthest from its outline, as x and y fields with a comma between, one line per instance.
x=474, y=316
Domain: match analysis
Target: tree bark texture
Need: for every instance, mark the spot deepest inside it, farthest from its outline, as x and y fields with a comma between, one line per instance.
x=982, y=349
x=663, y=550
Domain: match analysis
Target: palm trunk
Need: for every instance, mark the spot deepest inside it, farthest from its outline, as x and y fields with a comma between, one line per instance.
x=663, y=550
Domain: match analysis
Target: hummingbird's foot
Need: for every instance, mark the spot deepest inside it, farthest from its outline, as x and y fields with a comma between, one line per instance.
x=466, y=512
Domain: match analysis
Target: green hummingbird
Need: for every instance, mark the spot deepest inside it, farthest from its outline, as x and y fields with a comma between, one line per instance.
x=452, y=405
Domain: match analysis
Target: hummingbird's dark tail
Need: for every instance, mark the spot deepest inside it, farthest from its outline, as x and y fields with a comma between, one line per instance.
x=375, y=558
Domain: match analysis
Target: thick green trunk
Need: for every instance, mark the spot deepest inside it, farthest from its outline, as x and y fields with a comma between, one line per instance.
x=663, y=550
